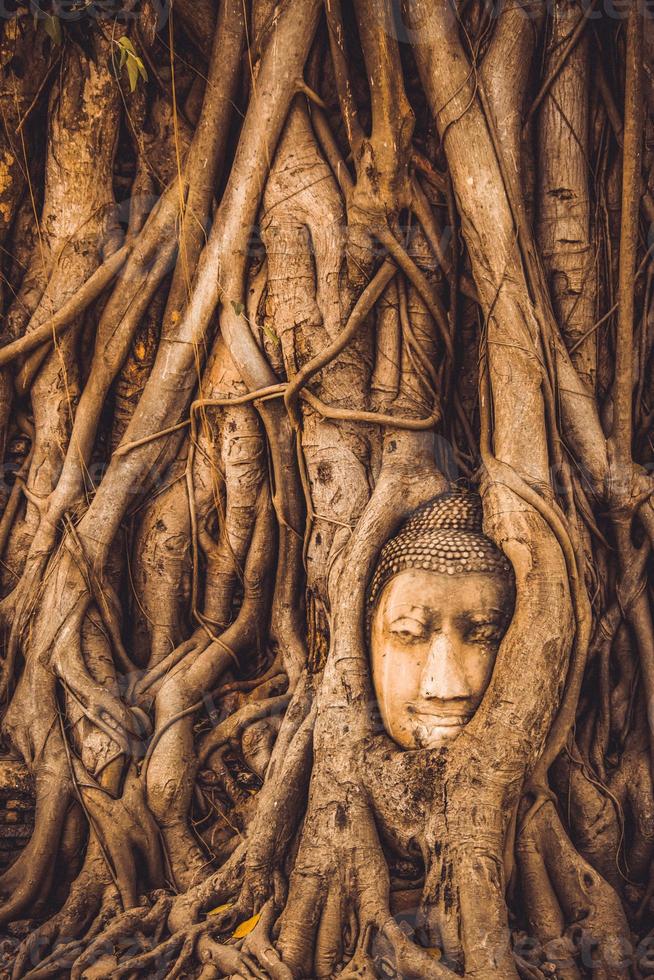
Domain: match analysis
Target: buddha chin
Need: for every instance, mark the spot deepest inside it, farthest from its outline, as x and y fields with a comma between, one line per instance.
x=432, y=731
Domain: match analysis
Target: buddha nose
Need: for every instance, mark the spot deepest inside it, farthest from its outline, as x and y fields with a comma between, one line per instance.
x=444, y=676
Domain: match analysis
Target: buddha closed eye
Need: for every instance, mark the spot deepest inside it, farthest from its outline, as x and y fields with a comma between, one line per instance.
x=436, y=625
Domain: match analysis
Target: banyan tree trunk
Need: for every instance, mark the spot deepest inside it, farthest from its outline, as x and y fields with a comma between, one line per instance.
x=274, y=276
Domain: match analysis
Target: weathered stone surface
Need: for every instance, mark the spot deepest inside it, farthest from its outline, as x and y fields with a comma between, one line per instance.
x=14, y=779
x=16, y=809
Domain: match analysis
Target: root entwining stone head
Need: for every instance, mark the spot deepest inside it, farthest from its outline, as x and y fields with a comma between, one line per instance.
x=443, y=535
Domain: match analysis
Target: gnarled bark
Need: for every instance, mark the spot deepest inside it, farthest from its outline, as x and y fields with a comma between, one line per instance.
x=380, y=264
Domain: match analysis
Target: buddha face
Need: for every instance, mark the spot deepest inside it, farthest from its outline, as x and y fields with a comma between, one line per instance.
x=433, y=642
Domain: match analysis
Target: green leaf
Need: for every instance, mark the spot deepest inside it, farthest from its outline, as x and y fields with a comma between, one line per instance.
x=133, y=63
x=126, y=45
x=53, y=28
x=237, y=307
x=132, y=73
x=270, y=334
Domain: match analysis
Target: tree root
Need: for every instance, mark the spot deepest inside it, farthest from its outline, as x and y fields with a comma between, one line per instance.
x=234, y=726
x=115, y=948
x=571, y=902
x=283, y=522
x=64, y=952
x=258, y=944
x=131, y=925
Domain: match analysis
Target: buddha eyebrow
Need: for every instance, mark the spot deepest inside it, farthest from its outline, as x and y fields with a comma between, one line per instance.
x=483, y=617
x=405, y=612
x=420, y=621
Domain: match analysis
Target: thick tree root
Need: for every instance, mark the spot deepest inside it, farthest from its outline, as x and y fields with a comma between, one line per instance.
x=572, y=907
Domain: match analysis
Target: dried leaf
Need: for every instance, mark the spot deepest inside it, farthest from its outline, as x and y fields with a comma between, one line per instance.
x=220, y=908
x=246, y=927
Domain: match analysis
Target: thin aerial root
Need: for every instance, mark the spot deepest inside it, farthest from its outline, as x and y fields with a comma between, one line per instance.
x=140, y=921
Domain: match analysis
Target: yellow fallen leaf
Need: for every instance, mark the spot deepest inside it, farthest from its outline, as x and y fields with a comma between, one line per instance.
x=246, y=927
x=220, y=908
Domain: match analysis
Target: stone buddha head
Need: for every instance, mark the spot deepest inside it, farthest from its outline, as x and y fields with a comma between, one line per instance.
x=439, y=603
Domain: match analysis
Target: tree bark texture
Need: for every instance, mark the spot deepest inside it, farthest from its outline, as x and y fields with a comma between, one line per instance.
x=274, y=275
